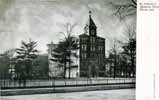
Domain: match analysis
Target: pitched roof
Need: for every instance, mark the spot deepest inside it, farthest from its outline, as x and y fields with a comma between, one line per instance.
x=100, y=38
x=83, y=35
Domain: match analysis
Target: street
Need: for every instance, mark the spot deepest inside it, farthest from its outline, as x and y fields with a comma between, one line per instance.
x=120, y=94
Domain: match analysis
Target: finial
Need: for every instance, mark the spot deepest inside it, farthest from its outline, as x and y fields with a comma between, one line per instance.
x=90, y=12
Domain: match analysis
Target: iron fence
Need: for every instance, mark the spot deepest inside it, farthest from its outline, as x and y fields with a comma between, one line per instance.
x=7, y=83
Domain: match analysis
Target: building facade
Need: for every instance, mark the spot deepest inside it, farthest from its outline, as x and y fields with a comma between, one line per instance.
x=92, y=51
x=54, y=70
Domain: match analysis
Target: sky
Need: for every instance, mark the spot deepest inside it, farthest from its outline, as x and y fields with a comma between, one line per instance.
x=43, y=20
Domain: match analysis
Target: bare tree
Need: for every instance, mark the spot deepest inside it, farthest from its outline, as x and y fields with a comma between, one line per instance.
x=67, y=45
x=124, y=8
x=129, y=49
x=114, y=56
x=130, y=32
x=124, y=49
x=71, y=41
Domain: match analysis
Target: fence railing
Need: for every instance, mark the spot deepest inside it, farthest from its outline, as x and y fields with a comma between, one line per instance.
x=64, y=82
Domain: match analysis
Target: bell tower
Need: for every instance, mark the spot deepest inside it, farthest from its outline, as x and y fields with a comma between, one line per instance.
x=90, y=27
x=91, y=51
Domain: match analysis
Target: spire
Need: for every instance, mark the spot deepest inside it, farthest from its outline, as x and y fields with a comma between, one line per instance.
x=90, y=23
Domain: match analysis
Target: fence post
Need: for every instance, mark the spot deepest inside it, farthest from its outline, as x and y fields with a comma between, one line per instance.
x=124, y=80
x=76, y=81
x=53, y=84
x=39, y=82
x=4, y=83
x=65, y=81
x=0, y=92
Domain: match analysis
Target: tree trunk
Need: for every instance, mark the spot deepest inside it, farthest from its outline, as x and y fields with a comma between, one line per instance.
x=115, y=65
x=64, y=76
x=69, y=65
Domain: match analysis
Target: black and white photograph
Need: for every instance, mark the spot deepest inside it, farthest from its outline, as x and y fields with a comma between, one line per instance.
x=68, y=49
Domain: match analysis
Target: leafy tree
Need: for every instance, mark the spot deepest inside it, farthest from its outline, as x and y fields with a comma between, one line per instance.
x=24, y=59
x=60, y=55
x=41, y=68
x=71, y=45
x=130, y=52
x=64, y=51
x=5, y=61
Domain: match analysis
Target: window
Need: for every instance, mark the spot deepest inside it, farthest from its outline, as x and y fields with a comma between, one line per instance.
x=84, y=55
x=92, y=32
x=92, y=39
x=84, y=47
x=83, y=39
x=100, y=48
x=93, y=48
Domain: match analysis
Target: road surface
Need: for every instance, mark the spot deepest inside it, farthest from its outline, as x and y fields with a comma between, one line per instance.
x=121, y=94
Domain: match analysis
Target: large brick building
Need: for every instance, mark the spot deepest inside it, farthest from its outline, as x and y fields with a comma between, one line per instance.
x=92, y=51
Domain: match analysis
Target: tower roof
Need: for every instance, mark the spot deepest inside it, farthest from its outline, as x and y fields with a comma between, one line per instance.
x=90, y=20
x=89, y=23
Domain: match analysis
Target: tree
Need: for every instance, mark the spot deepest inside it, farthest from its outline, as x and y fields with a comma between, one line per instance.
x=41, y=67
x=124, y=8
x=5, y=61
x=129, y=49
x=24, y=59
x=66, y=48
x=113, y=56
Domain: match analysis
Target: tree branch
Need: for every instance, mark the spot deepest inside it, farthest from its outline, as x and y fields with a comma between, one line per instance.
x=134, y=3
x=123, y=10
